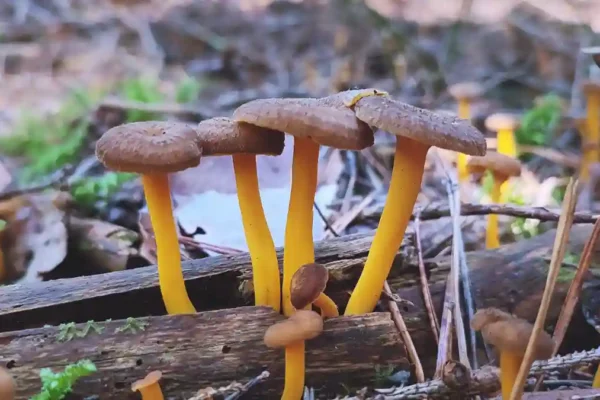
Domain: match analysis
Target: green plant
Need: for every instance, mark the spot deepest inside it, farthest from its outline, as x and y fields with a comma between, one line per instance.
x=540, y=121
x=55, y=386
x=382, y=373
x=88, y=191
x=143, y=90
x=187, y=90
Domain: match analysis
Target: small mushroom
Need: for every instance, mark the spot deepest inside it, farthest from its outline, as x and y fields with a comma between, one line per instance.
x=155, y=149
x=504, y=125
x=149, y=386
x=313, y=122
x=502, y=168
x=464, y=93
x=510, y=335
x=223, y=136
x=302, y=326
x=416, y=131
x=7, y=385
x=307, y=286
x=591, y=143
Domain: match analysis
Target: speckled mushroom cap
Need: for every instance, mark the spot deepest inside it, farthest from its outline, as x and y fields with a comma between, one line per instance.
x=512, y=334
x=224, y=136
x=591, y=87
x=149, y=147
x=302, y=325
x=444, y=131
x=308, y=282
x=498, y=163
x=501, y=121
x=150, y=379
x=465, y=90
x=327, y=120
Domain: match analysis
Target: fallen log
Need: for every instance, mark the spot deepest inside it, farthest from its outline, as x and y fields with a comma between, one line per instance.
x=205, y=349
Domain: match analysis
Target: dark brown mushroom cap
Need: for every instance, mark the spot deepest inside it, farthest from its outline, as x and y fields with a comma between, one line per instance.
x=501, y=121
x=421, y=125
x=224, y=136
x=149, y=147
x=150, y=379
x=302, y=325
x=465, y=90
x=512, y=335
x=308, y=282
x=495, y=162
x=591, y=87
x=327, y=121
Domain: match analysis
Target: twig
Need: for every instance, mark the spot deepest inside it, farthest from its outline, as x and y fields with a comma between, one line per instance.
x=346, y=219
x=558, y=252
x=572, y=298
x=427, y=300
x=237, y=388
x=187, y=241
x=327, y=224
x=399, y=322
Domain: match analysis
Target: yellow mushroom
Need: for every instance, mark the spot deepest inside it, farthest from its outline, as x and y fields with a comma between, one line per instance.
x=591, y=143
x=149, y=387
x=464, y=93
x=504, y=125
x=312, y=122
x=155, y=149
x=502, y=168
x=308, y=286
x=223, y=136
x=416, y=131
x=510, y=335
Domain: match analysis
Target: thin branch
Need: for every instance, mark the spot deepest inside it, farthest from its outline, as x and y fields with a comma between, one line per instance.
x=558, y=253
x=325, y=221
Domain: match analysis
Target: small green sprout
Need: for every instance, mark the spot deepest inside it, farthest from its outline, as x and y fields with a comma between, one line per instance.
x=67, y=332
x=90, y=326
x=132, y=325
x=55, y=386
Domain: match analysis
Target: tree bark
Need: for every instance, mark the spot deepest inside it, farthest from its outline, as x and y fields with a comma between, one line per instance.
x=206, y=349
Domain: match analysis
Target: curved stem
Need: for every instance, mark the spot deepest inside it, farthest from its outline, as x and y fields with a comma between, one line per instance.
x=464, y=112
x=509, y=368
x=152, y=392
x=407, y=173
x=170, y=276
x=492, y=240
x=265, y=267
x=327, y=306
x=591, y=154
x=298, y=249
x=596, y=382
x=506, y=143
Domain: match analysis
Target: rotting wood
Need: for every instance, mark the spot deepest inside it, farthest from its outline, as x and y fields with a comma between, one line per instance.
x=511, y=277
x=206, y=349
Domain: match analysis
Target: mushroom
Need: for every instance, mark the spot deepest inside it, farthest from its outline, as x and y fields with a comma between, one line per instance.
x=7, y=385
x=416, y=131
x=307, y=286
x=149, y=386
x=504, y=125
x=502, y=168
x=313, y=122
x=464, y=93
x=155, y=149
x=591, y=142
x=223, y=136
x=510, y=335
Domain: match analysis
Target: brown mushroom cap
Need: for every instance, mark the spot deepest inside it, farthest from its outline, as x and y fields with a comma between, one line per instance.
x=501, y=121
x=7, y=385
x=149, y=147
x=465, y=90
x=308, y=282
x=148, y=380
x=444, y=131
x=327, y=121
x=512, y=335
x=224, y=136
x=498, y=163
x=486, y=316
x=302, y=325
x=591, y=87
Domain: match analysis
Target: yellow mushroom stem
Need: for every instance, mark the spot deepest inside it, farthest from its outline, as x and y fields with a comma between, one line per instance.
x=298, y=249
x=596, y=382
x=506, y=143
x=151, y=392
x=592, y=140
x=405, y=184
x=265, y=267
x=464, y=112
x=327, y=306
x=509, y=368
x=584, y=168
x=492, y=239
x=170, y=275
